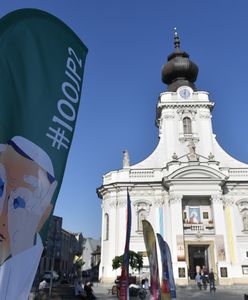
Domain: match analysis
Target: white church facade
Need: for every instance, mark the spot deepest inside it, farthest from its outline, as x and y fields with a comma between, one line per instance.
x=192, y=192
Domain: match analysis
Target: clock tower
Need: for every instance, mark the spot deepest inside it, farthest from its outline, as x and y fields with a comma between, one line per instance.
x=192, y=192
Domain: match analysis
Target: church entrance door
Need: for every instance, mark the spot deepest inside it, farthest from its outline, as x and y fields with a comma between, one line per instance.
x=198, y=257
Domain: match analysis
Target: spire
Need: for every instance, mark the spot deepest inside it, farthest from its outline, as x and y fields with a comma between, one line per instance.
x=179, y=70
x=176, y=40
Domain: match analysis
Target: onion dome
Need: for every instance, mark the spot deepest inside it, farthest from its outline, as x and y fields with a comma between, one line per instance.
x=179, y=70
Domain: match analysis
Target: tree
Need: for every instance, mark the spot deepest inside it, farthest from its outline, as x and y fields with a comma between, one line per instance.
x=78, y=263
x=135, y=261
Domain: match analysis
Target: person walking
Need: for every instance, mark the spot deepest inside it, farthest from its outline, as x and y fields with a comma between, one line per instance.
x=205, y=279
x=89, y=291
x=211, y=278
x=198, y=280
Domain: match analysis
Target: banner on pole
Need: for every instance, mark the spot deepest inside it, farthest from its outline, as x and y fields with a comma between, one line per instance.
x=168, y=284
x=124, y=280
x=151, y=248
x=41, y=67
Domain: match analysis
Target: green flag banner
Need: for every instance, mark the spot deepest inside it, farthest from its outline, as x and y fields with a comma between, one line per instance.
x=41, y=70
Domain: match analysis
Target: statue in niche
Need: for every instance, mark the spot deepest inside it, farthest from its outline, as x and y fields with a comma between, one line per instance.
x=125, y=162
x=243, y=209
x=245, y=220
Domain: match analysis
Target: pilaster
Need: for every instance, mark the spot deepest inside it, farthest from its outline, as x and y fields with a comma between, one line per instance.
x=177, y=236
x=229, y=214
x=221, y=245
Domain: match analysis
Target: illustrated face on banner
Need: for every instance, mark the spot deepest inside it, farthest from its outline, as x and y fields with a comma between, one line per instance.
x=26, y=190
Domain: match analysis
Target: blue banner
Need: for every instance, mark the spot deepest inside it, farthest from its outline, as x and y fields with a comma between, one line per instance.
x=167, y=270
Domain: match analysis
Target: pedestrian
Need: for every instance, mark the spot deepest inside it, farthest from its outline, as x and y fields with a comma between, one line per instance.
x=204, y=278
x=43, y=284
x=89, y=291
x=211, y=278
x=79, y=291
x=198, y=280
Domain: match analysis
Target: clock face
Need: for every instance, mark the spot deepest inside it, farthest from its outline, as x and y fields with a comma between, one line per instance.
x=184, y=93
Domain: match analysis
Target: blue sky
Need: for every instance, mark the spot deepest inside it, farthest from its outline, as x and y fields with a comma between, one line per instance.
x=128, y=43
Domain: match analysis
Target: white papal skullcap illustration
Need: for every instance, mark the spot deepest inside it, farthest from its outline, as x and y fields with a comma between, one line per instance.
x=34, y=152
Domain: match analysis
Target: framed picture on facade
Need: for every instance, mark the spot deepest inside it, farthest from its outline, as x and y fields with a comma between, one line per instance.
x=180, y=248
x=220, y=247
x=194, y=215
x=181, y=272
x=245, y=270
x=205, y=215
x=223, y=272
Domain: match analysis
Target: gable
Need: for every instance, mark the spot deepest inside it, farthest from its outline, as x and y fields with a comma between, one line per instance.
x=197, y=171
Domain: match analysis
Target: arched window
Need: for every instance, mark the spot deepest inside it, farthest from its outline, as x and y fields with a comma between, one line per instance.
x=106, y=227
x=142, y=215
x=187, y=126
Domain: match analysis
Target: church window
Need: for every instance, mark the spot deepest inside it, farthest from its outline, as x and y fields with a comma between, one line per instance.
x=187, y=126
x=142, y=214
x=106, y=227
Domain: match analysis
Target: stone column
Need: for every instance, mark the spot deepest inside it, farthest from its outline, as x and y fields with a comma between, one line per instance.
x=177, y=238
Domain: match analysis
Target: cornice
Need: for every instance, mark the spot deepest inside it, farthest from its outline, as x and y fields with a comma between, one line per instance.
x=181, y=105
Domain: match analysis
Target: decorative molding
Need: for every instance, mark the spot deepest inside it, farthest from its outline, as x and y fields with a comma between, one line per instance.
x=195, y=106
x=228, y=201
x=122, y=203
x=175, y=198
x=216, y=199
x=141, y=173
x=205, y=116
x=239, y=193
x=142, y=204
x=168, y=116
x=242, y=204
x=186, y=112
x=158, y=202
x=113, y=204
x=188, y=137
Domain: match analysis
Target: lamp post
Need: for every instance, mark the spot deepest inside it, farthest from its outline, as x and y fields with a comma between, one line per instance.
x=53, y=258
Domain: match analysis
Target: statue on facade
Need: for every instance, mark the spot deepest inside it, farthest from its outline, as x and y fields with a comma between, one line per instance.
x=192, y=156
x=125, y=161
x=211, y=157
x=174, y=157
x=243, y=209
